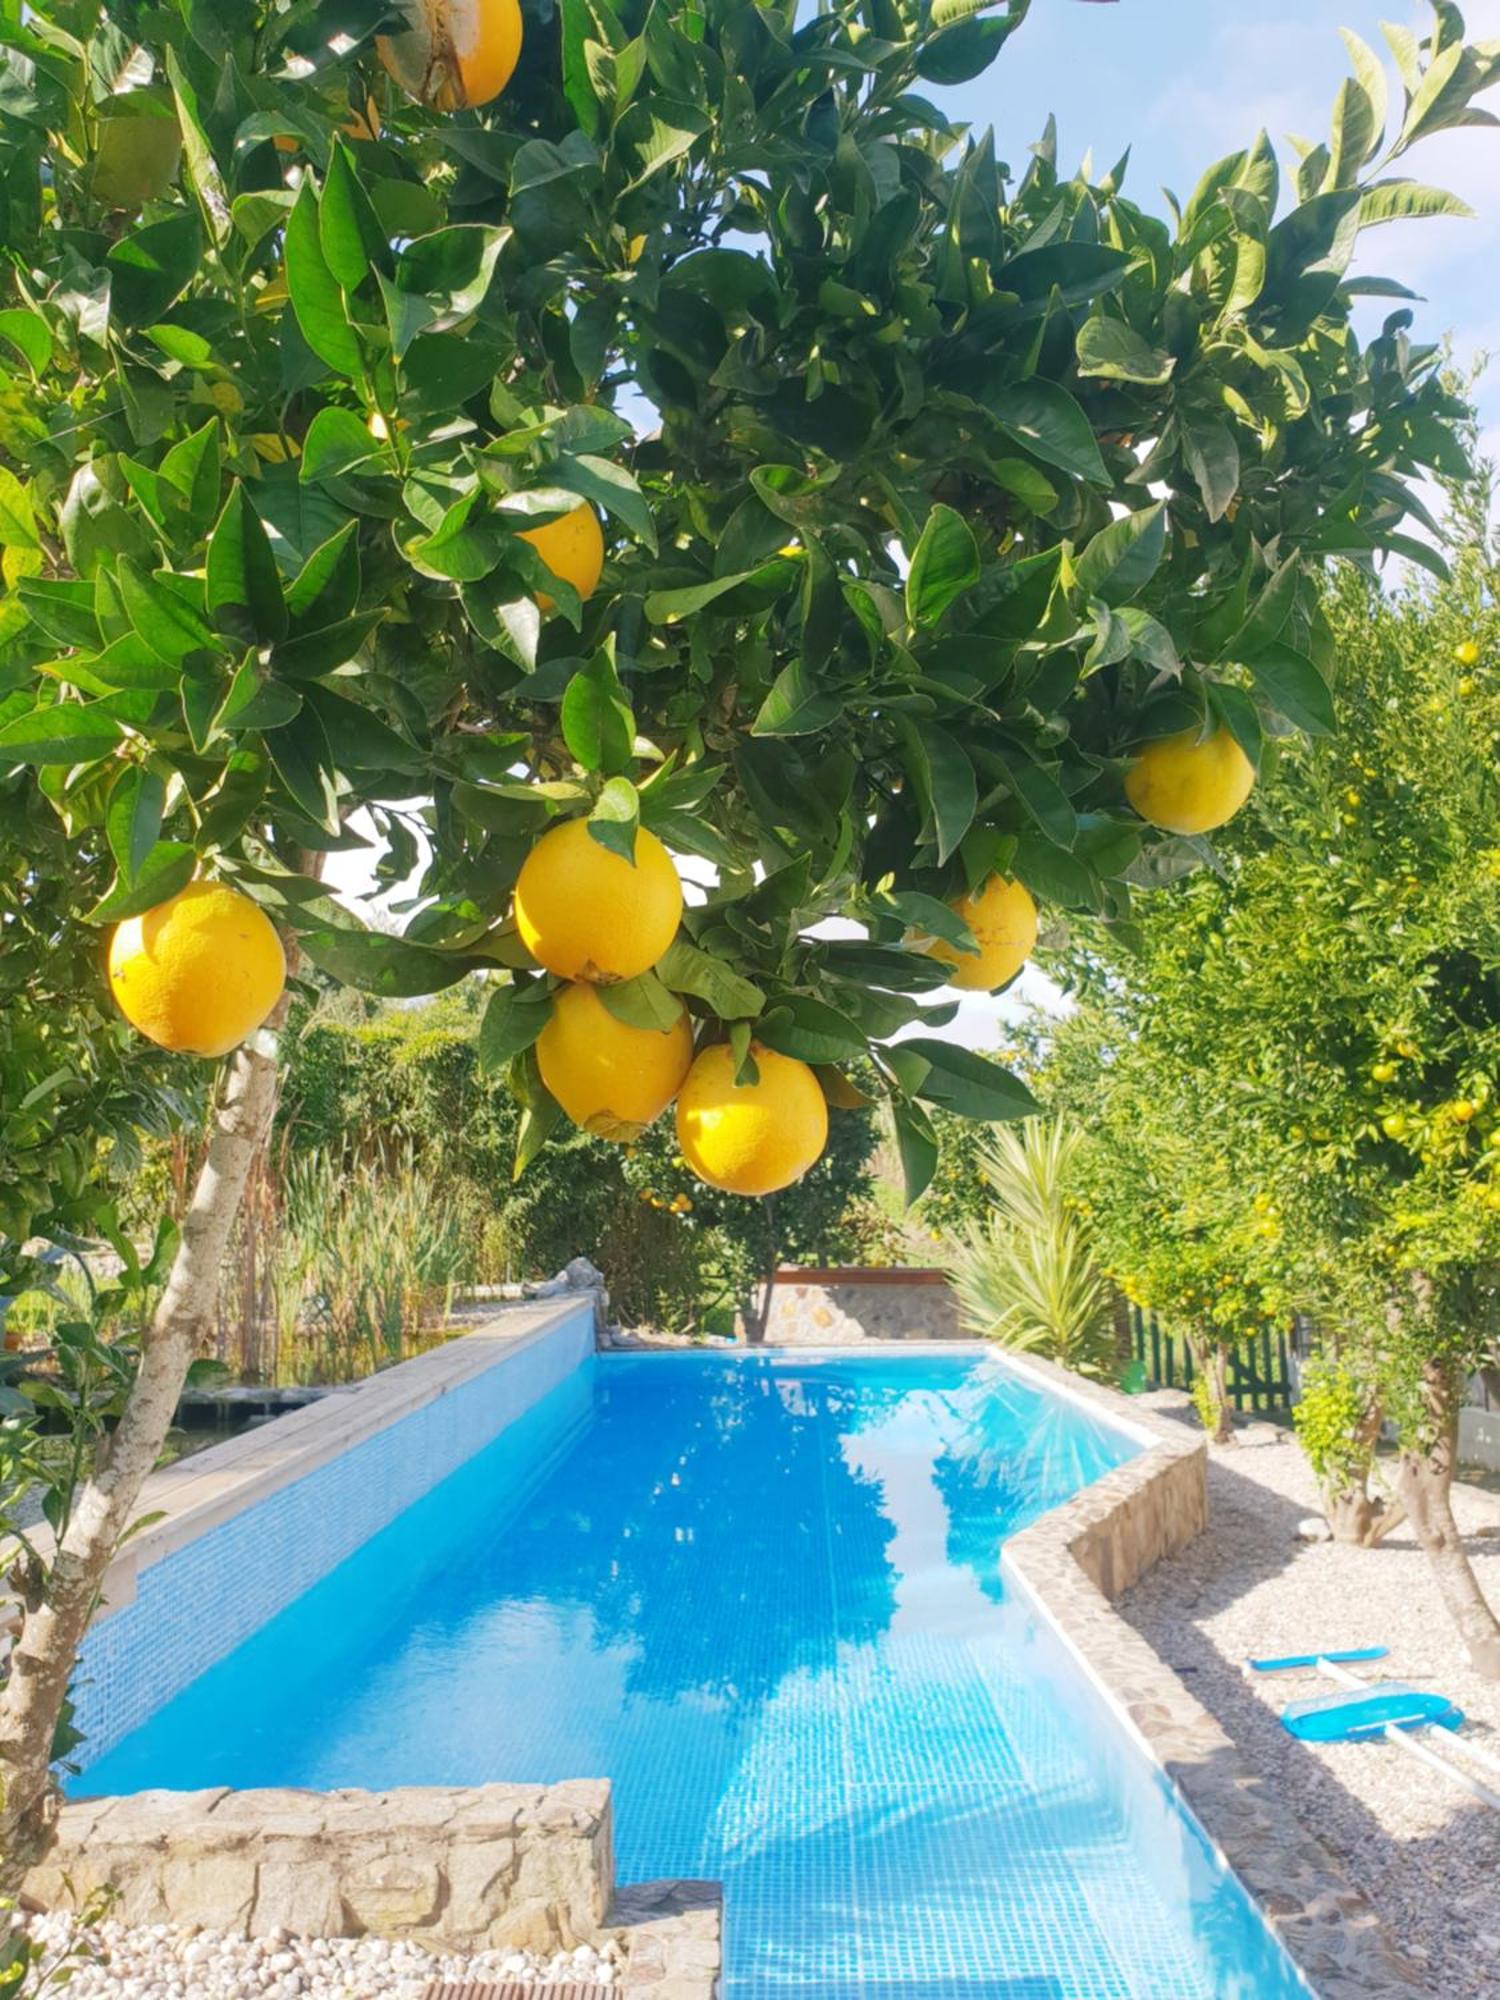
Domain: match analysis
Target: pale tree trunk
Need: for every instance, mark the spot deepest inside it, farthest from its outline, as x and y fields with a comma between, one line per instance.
x=57, y=1605
x=1355, y=1514
x=755, y=1327
x=1224, y=1409
x=1426, y=1487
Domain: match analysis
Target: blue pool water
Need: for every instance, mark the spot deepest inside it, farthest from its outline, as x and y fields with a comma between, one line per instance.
x=763, y=1595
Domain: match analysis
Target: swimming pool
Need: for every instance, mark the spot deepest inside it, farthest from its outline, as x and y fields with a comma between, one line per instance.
x=762, y=1594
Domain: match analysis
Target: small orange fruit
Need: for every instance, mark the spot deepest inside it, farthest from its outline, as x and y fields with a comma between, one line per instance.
x=610, y=1078
x=585, y=912
x=1003, y=919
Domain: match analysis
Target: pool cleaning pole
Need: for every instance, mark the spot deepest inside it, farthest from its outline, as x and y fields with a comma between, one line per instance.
x=1427, y=1754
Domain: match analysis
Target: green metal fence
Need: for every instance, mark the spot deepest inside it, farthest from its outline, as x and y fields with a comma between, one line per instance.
x=1260, y=1370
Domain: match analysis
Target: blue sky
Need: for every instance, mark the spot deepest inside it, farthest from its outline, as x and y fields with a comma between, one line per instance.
x=1182, y=82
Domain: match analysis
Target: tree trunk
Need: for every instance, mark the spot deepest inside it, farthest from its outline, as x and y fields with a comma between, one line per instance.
x=58, y=1603
x=755, y=1328
x=1359, y=1517
x=1223, y=1408
x=1426, y=1487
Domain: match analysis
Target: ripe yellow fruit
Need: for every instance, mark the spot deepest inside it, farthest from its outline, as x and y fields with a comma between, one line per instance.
x=1190, y=784
x=456, y=53
x=572, y=547
x=1467, y=654
x=1004, y=922
x=1465, y=686
x=200, y=972
x=751, y=1138
x=610, y=1078
x=587, y=913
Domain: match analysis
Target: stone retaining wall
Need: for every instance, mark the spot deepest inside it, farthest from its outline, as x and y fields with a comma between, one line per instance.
x=471, y=1868
x=1069, y=1566
x=841, y=1308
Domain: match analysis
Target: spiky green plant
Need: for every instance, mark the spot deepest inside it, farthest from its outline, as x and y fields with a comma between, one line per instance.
x=1026, y=1276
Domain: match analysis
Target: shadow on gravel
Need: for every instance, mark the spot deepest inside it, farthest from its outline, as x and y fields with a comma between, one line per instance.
x=1253, y=1536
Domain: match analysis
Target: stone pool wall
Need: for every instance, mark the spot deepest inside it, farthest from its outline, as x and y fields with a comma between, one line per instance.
x=842, y=1307
x=471, y=1868
x=1069, y=1566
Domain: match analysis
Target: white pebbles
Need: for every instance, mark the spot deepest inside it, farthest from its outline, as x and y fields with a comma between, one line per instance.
x=112, y=1961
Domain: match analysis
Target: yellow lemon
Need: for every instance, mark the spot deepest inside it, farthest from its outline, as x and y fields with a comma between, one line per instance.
x=587, y=913
x=610, y=1078
x=456, y=53
x=1190, y=784
x=572, y=547
x=1003, y=919
x=199, y=972
x=751, y=1138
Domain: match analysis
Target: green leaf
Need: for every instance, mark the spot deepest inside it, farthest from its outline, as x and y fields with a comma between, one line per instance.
x=686, y=969
x=375, y=963
x=170, y=625
x=337, y=441
x=244, y=589
x=944, y=564
x=17, y=515
x=151, y=266
x=960, y=1081
x=917, y=1144
x=1239, y=715
x=1294, y=688
x=317, y=299
x=1406, y=201
x=349, y=231
x=597, y=720
x=810, y=1030
x=1122, y=558
x=303, y=761
x=1213, y=458
x=541, y=1113
x=945, y=783
x=616, y=817
x=665, y=607
x=326, y=588
x=796, y=705
x=191, y=470
x=132, y=819
x=611, y=487
x=66, y=733
x=1051, y=423
x=643, y=1002
x=255, y=701
x=28, y=335
x=1110, y=348
x=163, y=870
x=513, y=1018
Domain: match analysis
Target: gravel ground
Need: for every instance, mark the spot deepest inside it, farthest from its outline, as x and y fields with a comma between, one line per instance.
x=110, y=1962
x=1425, y=1852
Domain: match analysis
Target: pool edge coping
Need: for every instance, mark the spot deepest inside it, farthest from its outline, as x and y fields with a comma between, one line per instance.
x=199, y=1493
x=1307, y=1899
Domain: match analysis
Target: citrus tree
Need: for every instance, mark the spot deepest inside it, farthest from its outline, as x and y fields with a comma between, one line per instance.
x=1304, y=1056
x=701, y=448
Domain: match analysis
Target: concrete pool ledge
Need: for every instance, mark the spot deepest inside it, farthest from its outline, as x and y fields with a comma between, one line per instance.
x=1070, y=1566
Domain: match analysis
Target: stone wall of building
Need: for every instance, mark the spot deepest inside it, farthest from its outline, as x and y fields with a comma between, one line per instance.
x=840, y=1308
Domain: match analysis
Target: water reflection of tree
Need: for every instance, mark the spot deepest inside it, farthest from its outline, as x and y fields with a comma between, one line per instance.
x=695, y=1527
x=1012, y=1459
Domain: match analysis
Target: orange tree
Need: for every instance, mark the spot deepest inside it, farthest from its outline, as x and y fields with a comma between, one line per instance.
x=326, y=496
x=1299, y=1067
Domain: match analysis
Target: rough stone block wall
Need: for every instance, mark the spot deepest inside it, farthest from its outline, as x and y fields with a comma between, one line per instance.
x=841, y=1308
x=463, y=1869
